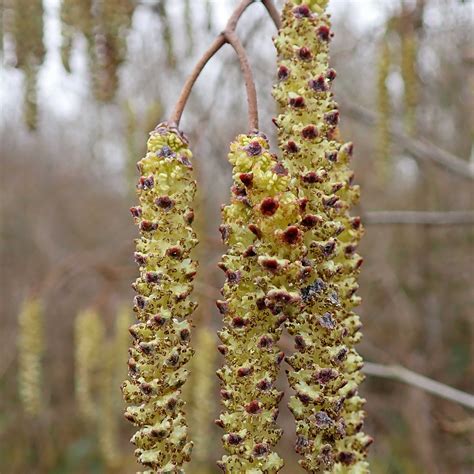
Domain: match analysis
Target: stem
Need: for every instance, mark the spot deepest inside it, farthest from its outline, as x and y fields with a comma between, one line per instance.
x=227, y=36
x=234, y=41
x=273, y=12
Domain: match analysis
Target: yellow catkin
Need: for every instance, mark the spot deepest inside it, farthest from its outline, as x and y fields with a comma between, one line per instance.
x=384, y=110
x=89, y=337
x=30, y=353
x=322, y=246
x=409, y=75
x=29, y=51
x=107, y=423
x=202, y=373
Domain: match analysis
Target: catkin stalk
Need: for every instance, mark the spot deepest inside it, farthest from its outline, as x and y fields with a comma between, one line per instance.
x=325, y=368
x=30, y=353
x=161, y=349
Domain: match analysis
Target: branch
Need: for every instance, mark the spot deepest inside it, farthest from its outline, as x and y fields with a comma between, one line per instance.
x=428, y=218
x=273, y=12
x=234, y=41
x=418, y=148
x=396, y=372
x=227, y=36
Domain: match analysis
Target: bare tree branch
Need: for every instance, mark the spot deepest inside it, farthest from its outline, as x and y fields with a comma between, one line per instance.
x=396, y=372
x=418, y=148
x=429, y=218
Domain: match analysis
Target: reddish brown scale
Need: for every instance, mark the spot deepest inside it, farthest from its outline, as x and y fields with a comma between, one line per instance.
x=332, y=118
x=222, y=306
x=225, y=232
x=269, y=206
x=136, y=211
x=265, y=341
x=296, y=102
x=331, y=156
x=312, y=177
x=310, y=132
x=270, y=264
x=255, y=230
x=246, y=178
x=164, y=202
x=189, y=217
x=174, y=252
x=153, y=277
x=310, y=221
x=253, y=148
x=302, y=11
x=244, y=371
x=250, y=252
x=148, y=226
x=324, y=33
x=226, y=395
x=283, y=73
x=318, y=84
x=239, y=322
x=280, y=170
x=233, y=438
x=222, y=349
x=305, y=53
x=233, y=277
x=253, y=407
x=292, y=147
x=260, y=449
x=264, y=385
x=331, y=74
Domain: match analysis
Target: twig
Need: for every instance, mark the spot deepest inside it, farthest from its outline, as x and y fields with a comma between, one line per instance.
x=418, y=148
x=227, y=36
x=273, y=12
x=396, y=372
x=428, y=218
x=234, y=41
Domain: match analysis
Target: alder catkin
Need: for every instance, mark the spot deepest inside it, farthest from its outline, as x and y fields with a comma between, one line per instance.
x=161, y=348
x=89, y=343
x=410, y=81
x=255, y=230
x=30, y=354
x=384, y=110
x=325, y=368
x=29, y=51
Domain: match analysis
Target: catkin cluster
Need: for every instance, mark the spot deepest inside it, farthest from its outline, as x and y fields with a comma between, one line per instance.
x=162, y=334
x=30, y=352
x=325, y=368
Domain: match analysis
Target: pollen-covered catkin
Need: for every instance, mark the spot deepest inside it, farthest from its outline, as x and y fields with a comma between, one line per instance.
x=30, y=353
x=89, y=341
x=384, y=109
x=325, y=368
x=409, y=76
x=258, y=266
x=161, y=345
x=29, y=51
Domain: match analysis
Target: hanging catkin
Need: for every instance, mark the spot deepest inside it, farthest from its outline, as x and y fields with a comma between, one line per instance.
x=255, y=230
x=161, y=346
x=384, y=110
x=30, y=353
x=89, y=340
x=30, y=52
x=325, y=368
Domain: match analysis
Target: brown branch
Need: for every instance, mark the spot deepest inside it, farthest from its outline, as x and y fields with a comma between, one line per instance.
x=418, y=148
x=428, y=218
x=234, y=41
x=273, y=12
x=396, y=372
x=227, y=36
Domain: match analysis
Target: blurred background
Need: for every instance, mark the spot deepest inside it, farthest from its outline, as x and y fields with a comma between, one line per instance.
x=82, y=84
